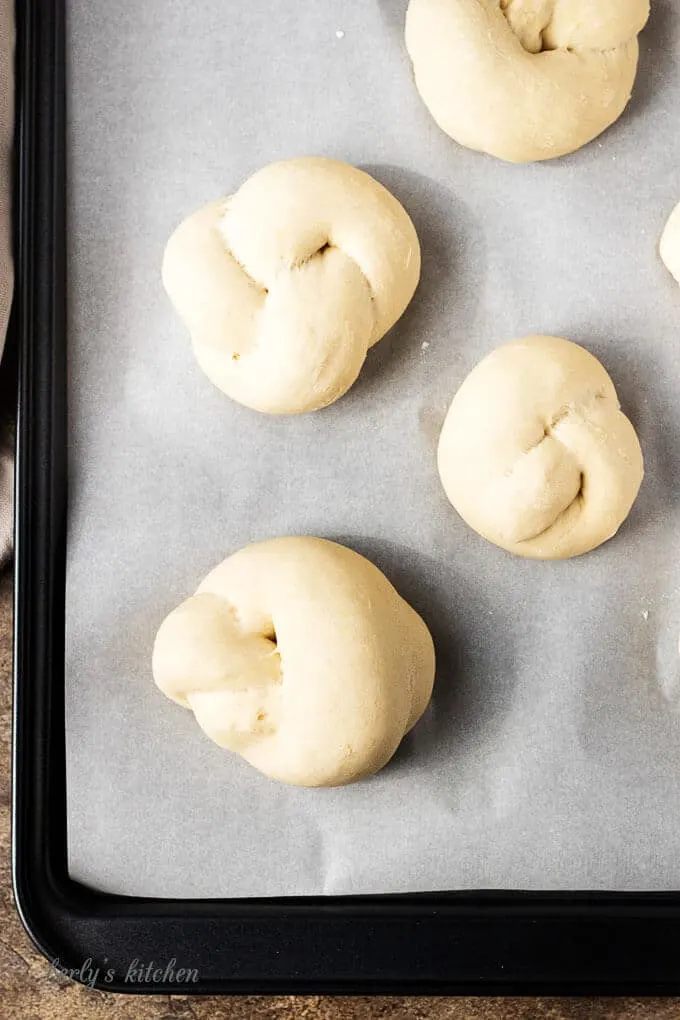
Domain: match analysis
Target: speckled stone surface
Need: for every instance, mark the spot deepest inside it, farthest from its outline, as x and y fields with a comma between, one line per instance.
x=31, y=990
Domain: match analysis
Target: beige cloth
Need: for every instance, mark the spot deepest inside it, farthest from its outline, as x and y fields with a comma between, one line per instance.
x=6, y=267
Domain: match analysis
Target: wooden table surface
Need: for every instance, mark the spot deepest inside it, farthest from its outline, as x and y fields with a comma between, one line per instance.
x=31, y=990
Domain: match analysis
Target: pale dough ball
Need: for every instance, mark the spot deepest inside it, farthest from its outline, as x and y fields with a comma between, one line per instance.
x=670, y=244
x=525, y=80
x=299, y=655
x=535, y=453
x=285, y=285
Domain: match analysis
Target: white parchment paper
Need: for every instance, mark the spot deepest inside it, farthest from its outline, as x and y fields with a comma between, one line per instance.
x=550, y=757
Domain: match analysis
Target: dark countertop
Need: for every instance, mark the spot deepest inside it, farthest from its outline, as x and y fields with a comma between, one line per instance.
x=31, y=990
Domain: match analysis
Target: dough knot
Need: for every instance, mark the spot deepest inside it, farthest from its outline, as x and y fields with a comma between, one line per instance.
x=535, y=452
x=285, y=285
x=525, y=80
x=298, y=654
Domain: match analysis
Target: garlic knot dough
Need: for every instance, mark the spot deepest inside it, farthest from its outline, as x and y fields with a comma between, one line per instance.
x=525, y=80
x=298, y=654
x=670, y=244
x=535, y=453
x=285, y=285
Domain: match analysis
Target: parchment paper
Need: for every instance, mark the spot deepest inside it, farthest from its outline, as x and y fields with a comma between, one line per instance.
x=550, y=757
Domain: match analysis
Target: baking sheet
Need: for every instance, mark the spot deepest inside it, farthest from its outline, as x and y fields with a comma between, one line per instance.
x=550, y=756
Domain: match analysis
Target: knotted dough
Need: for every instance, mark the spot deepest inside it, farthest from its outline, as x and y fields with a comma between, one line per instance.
x=285, y=285
x=670, y=244
x=298, y=654
x=535, y=453
x=525, y=80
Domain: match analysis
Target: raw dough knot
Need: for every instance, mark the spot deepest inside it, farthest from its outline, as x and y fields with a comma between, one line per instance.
x=298, y=654
x=285, y=285
x=670, y=244
x=525, y=80
x=535, y=452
